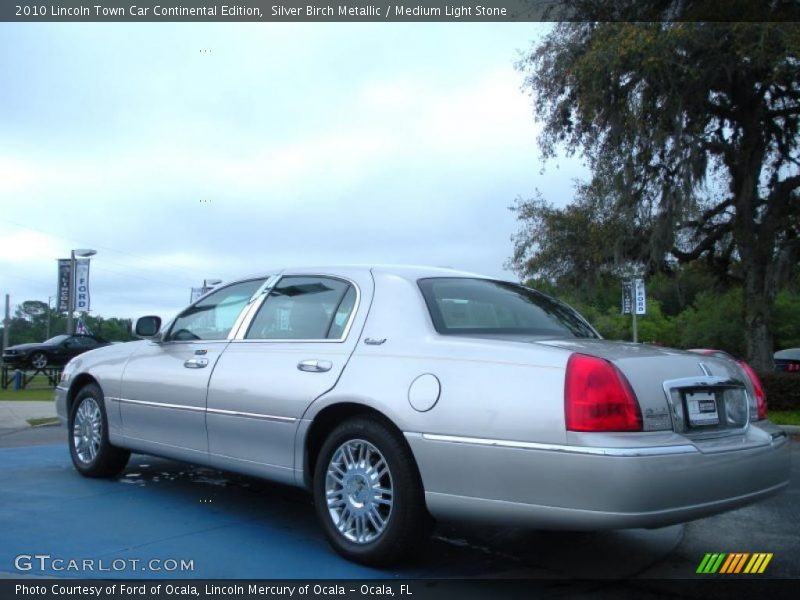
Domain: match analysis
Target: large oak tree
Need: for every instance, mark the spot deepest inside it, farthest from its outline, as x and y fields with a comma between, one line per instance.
x=691, y=131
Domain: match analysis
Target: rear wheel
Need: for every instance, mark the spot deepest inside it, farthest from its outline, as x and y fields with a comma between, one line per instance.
x=39, y=360
x=368, y=494
x=92, y=453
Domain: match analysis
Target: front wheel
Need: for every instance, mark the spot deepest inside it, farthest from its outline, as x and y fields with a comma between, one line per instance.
x=92, y=453
x=39, y=360
x=368, y=494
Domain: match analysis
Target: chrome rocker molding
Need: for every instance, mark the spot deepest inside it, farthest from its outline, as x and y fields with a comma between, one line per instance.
x=218, y=411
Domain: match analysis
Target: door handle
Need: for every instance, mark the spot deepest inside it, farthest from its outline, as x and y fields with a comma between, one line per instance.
x=315, y=366
x=196, y=363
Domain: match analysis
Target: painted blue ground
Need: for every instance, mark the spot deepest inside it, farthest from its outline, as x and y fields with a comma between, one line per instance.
x=230, y=526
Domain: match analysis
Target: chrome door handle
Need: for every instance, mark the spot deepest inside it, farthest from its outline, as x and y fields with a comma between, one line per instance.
x=196, y=363
x=315, y=366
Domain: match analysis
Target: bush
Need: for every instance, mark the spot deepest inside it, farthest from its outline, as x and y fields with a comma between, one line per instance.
x=783, y=390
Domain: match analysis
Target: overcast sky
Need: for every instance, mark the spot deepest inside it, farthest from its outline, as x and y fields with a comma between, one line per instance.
x=189, y=151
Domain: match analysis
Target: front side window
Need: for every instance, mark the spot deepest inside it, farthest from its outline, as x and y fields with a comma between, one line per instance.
x=304, y=308
x=82, y=341
x=460, y=305
x=213, y=317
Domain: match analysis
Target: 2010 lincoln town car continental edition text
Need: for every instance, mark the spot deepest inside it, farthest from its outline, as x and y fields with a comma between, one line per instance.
x=402, y=394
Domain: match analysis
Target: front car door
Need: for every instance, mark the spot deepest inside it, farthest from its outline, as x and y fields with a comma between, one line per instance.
x=164, y=385
x=292, y=351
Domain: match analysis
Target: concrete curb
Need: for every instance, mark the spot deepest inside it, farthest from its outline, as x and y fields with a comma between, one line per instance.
x=14, y=414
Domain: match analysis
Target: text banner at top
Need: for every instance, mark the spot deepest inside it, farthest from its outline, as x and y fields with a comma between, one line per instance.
x=393, y=11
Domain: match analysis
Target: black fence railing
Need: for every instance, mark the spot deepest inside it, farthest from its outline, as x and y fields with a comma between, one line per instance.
x=15, y=378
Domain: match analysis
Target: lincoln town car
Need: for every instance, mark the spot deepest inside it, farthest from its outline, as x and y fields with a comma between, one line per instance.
x=402, y=395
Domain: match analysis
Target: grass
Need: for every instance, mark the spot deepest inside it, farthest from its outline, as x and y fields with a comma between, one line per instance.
x=42, y=421
x=42, y=394
x=784, y=417
x=37, y=389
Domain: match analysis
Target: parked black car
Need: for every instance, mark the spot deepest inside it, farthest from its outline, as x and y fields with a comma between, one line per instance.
x=788, y=360
x=56, y=351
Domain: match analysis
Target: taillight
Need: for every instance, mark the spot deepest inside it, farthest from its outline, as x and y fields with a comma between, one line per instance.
x=761, y=395
x=597, y=397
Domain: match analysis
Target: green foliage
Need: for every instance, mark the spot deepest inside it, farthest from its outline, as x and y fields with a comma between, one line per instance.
x=692, y=133
x=30, y=324
x=714, y=321
x=653, y=327
x=785, y=417
x=782, y=389
x=786, y=323
x=705, y=316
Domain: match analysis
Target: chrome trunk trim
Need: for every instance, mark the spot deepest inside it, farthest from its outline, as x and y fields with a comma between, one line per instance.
x=642, y=451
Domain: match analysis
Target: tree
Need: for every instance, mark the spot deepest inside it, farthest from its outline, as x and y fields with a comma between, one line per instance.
x=691, y=129
x=576, y=245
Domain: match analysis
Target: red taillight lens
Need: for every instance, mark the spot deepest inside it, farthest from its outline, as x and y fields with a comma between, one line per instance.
x=761, y=395
x=597, y=397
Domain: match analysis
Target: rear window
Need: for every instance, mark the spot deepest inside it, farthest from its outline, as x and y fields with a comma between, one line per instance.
x=482, y=306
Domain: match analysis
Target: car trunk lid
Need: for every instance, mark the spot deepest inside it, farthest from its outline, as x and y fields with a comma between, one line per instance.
x=697, y=396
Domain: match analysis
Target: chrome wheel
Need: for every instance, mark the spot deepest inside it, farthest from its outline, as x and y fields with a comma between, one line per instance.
x=358, y=491
x=87, y=433
x=39, y=360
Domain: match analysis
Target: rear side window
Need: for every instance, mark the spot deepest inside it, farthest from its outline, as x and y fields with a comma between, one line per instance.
x=461, y=305
x=304, y=308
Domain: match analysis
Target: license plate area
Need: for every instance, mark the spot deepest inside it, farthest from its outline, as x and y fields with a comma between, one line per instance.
x=708, y=406
x=701, y=409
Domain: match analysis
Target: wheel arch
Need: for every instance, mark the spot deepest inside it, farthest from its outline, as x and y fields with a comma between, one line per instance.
x=327, y=419
x=79, y=382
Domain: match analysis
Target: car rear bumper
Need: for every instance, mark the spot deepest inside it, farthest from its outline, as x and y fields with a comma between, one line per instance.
x=590, y=488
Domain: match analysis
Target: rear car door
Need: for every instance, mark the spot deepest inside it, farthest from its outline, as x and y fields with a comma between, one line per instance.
x=292, y=351
x=164, y=385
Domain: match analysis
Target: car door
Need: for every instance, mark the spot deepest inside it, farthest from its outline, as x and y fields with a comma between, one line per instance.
x=164, y=385
x=292, y=351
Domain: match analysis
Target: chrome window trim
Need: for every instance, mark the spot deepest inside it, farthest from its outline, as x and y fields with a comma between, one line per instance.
x=643, y=451
x=230, y=413
x=227, y=338
x=244, y=318
x=257, y=306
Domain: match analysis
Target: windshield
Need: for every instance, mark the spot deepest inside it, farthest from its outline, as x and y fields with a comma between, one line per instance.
x=483, y=306
x=56, y=340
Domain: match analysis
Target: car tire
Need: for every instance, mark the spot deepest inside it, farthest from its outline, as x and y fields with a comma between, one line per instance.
x=39, y=360
x=368, y=493
x=91, y=452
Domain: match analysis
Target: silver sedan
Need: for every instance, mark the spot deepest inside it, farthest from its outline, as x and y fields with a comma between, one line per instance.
x=402, y=394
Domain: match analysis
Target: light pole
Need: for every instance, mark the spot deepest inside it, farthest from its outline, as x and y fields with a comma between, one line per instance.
x=47, y=335
x=82, y=253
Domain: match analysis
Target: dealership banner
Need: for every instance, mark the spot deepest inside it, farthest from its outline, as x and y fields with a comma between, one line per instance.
x=640, y=301
x=81, y=302
x=64, y=273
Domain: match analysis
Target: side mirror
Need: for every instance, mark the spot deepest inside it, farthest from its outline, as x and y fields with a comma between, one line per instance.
x=147, y=327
